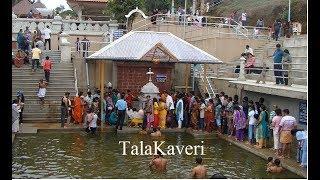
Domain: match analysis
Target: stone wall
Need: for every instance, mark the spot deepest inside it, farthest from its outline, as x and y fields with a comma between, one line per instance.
x=96, y=31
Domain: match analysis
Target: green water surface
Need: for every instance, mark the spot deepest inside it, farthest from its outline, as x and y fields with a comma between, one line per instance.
x=79, y=155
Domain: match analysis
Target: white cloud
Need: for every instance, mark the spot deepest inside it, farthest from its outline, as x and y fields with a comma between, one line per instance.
x=52, y=4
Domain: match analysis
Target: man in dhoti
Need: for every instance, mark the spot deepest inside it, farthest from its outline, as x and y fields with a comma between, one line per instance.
x=179, y=111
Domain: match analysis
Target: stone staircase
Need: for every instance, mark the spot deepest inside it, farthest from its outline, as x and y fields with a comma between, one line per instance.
x=53, y=54
x=297, y=47
x=61, y=80
x=225, y=69
x=207, y=87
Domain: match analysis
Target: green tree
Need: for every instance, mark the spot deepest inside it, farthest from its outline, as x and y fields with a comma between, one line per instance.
x=59, y=9
x=161, y=5
x=68, y=13
x=119, y=8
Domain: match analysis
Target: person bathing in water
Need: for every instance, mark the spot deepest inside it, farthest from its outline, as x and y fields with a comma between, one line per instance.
x=156, y=132
x=199, y=172
x=158, y=163
x=270, y=162
x=276, y=168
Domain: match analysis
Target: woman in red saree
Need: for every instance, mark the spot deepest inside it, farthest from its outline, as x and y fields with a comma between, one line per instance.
x=209, y=116
x=78, y=108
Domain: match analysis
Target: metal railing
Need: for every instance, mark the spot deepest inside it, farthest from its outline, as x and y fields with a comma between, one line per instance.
x=75, y=81
x=205, y=79
x=230, y=70
x=94, y=47
x=212, y=24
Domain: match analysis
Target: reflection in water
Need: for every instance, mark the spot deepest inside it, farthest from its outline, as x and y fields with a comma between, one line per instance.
x=78, y=155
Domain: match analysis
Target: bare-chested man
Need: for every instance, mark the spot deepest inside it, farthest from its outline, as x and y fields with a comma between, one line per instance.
x=199, y=172
x=156, y=132
x=276, y=168
x=158, y=163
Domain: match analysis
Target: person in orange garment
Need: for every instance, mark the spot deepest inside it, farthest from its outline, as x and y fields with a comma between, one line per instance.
x=78, y=108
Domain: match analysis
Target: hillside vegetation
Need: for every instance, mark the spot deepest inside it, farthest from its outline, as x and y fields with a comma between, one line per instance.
x=269, y=10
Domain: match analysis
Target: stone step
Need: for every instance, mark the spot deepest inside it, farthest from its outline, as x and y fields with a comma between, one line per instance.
x=27, y=89
x=42, y=120
x=50, y=88
x=55, y=63
x=42, y=113
x=53, y=99
x=33, y=80
x=31, y=87
x=51, y=55
x=54, y=66
x=49, y=91
x=42, y=109
x=35, y=103
x=32, y=104
x=49, y=95
x=40, y=72
x=33, y=84
x=38, y=76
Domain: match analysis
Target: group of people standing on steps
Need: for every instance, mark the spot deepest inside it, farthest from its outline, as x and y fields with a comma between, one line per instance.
x=17, y=105
x=80, y=109
x=282, y=65
x=31, y=43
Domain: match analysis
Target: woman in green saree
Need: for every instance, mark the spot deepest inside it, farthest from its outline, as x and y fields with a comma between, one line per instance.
x=262, y=132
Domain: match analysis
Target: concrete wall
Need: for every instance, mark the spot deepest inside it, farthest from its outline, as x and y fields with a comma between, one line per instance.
x=93, y=72
x=226, y=47
x=225, y=86
x=282, y=102
x=180, y=74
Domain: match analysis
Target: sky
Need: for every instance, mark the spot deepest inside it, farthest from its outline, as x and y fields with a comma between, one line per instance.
x=52, y=4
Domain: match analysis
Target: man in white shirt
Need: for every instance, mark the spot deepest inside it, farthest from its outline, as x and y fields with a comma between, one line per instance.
x=248, y=50
x=207, y=98
x=244, y=18
x=179, y=111
x=170, y=106
x=202, y=109
x=47, y=37
x=252, y=123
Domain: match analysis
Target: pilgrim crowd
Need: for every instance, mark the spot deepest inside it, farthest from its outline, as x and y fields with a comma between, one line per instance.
x=239, y=119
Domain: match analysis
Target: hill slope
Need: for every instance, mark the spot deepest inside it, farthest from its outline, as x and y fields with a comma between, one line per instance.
x=269, y=10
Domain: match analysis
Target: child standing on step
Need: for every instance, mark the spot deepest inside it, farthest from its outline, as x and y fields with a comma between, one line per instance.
x=47, y=65
x=42, y=90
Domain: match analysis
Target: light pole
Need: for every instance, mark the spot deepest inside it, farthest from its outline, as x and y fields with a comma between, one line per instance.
x=194, y=2
x=185, y=15
x=289, y=11
x=172, y=7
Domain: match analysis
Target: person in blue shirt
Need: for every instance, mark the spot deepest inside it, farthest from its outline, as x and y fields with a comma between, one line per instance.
x=277, y=60
x=121, y=106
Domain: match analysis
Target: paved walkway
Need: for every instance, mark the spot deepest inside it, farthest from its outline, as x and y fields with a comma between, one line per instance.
x=289, y=164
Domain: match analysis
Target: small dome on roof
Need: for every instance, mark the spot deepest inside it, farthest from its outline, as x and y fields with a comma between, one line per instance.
x=150, y=88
